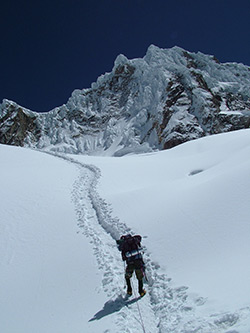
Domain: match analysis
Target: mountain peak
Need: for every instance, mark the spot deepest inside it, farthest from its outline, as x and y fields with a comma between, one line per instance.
x=120, y=60
x=168, y=97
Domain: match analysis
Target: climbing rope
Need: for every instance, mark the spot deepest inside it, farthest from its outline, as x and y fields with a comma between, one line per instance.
x=141, y=320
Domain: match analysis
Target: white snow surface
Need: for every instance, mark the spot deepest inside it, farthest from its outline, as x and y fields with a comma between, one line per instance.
x=60, y=270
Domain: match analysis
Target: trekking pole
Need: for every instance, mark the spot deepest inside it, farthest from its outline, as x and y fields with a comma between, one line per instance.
x=125, y=282
x=145, y=275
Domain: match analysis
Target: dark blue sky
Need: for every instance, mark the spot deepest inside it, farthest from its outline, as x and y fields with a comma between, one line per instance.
x=51, y=47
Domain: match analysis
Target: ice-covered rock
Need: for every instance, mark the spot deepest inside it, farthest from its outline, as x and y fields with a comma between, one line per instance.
x=166, y=98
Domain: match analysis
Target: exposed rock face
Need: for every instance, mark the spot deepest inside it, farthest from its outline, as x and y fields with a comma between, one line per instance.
x=167, y=98
x=17, y=127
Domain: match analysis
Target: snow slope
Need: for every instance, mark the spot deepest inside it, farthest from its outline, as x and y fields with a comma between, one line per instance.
x=60, y=270
x=47, y=270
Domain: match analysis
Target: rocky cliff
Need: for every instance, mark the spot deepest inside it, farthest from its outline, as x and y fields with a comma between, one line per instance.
x=166, y=98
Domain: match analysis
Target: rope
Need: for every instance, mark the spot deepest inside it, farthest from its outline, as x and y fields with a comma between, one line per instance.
x=141, y=320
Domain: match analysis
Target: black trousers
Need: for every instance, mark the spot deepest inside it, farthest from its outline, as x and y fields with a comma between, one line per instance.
x=137, y=267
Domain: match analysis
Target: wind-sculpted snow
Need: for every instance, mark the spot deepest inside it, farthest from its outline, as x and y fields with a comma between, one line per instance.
x=164, y=308
x=164, y=99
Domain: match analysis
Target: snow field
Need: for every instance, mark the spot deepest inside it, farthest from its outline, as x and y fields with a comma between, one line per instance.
x=47, y=270
x=102, y=229
x=60, y=270
x=192, y=204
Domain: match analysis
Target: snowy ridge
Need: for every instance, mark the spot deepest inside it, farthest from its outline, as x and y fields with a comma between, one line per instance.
x=164, y=308
x=164, y=99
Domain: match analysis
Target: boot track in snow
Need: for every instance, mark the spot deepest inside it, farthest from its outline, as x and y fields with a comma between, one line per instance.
x=163, y=309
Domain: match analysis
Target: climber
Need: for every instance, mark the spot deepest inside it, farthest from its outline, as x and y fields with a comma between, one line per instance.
x=130, y=247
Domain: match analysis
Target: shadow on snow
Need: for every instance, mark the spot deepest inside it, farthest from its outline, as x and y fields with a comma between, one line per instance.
x=114, y=306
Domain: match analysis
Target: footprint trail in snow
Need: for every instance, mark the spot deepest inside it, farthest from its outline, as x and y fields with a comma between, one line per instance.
x=91, y=212
x=164, y=308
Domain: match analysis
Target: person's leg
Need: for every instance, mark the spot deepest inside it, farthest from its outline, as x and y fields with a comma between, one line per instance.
x=139, y=275
x=140, y=286
x=128, y=274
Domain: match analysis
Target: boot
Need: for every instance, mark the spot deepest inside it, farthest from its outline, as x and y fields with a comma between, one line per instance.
x=142, y=291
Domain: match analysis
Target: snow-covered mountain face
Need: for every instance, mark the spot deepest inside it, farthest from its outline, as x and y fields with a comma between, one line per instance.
x=169, y=97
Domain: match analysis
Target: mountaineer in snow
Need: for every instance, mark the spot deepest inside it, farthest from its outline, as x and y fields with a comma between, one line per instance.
x=130, y=247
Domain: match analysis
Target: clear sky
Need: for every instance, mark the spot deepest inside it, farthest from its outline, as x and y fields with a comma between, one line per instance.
x=51, y=47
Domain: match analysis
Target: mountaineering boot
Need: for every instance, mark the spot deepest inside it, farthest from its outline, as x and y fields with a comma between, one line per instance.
x=129, y=288
x=142, y=292
x=129, y=292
